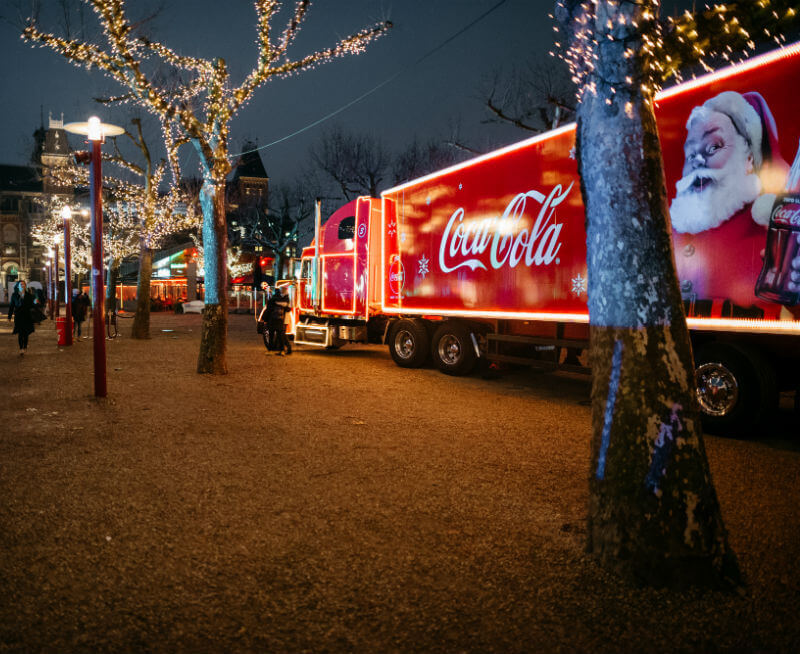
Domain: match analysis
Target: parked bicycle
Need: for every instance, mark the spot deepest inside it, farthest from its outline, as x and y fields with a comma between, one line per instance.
x=111, y=323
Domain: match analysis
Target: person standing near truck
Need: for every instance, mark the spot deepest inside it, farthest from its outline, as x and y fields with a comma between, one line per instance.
x=279, y=308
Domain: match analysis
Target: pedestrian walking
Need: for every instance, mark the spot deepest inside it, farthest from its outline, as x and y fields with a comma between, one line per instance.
x=21, y=309
x=80, y=306
x=276, y=321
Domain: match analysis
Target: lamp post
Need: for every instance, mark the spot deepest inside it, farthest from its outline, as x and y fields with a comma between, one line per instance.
x=57, y=307
x=96, y=132
x=66, y=215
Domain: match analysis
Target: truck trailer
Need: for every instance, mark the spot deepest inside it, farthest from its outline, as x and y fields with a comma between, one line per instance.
x=485, y=261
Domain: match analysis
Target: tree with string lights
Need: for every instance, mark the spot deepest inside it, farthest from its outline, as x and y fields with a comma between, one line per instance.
x=654, y=515
x=198, y=113
x=158, y=214
x=137, y=216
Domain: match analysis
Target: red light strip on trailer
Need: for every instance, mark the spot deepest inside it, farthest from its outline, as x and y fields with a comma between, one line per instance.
x=746, y=325
x=515, y=315
x=725, y=324
x=729, y=71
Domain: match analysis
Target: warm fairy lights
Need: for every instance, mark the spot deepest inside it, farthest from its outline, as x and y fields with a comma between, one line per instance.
x=665, y=48
x=135, y=212
x=199, y=111
x=124, y=55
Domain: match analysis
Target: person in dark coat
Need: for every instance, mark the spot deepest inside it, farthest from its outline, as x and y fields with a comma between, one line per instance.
x=80, y=306
x=21, y=310
x=279, y=306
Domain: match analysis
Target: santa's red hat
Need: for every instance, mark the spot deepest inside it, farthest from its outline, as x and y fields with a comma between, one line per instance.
x=753, y=119
x=774, y=168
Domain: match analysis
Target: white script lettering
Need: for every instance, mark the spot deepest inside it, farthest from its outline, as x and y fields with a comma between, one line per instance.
x=464, y=243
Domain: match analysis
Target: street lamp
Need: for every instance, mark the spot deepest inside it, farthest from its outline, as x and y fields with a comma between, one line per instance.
x=66, y=215
x=96, y=132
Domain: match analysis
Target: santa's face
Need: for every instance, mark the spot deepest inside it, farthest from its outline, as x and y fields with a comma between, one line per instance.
x=718, y=175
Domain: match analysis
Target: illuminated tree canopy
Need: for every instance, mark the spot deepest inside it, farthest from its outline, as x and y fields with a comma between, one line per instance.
x=198, y=112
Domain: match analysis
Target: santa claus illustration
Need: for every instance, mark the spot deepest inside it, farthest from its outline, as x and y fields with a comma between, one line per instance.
x=732, y=167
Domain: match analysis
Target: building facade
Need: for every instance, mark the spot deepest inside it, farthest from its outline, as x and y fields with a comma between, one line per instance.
x=22, y=193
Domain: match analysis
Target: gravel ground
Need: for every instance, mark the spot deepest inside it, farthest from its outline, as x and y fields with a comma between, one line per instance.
x=332, y=502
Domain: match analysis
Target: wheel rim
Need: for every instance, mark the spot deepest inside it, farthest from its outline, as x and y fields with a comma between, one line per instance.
x=404, y=344
x=449, y=349
x=717, y=389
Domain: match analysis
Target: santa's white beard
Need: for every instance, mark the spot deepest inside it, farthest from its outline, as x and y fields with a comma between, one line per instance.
x=725, y=191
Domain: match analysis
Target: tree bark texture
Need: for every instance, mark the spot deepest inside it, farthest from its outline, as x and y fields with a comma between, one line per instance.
x=213, y=341
x=654, y=516
x=141, y=321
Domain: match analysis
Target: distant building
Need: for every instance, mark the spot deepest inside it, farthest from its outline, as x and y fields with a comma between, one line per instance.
x=22, y=189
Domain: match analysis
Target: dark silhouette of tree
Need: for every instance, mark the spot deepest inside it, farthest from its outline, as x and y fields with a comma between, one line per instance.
x=356, y=164
x=420, y=159
x=535, y=97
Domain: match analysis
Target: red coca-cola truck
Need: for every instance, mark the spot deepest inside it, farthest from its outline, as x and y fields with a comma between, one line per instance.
x=486, y=260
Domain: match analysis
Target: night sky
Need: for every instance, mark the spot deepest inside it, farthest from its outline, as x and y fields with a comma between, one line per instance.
x=421, y=100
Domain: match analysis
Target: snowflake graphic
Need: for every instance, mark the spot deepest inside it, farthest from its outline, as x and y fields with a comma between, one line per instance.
x=423, y=266
x=391, y=228
x=573, y=154
x=578, y=284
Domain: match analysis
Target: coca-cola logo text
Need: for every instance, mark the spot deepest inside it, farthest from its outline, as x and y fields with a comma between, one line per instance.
x=397, y=275
x=786, y=213
x=465, y=243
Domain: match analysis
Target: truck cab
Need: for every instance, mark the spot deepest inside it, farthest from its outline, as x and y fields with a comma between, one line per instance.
x=336, y=292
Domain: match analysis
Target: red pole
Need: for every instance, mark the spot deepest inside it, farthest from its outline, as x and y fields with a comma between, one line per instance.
x=98, y=294
x=50, y=304
x=57, y=308
x=67, y=283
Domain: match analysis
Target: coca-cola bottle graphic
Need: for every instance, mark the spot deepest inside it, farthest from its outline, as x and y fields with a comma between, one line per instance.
x=779, y=280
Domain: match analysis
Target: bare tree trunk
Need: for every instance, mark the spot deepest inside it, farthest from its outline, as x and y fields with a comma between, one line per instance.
x=213, y=341
x=654, y=516
x=141, y=321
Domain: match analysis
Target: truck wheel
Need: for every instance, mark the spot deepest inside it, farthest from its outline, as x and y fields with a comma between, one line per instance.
x=736, y=389
x=409, y=343
x=452, y=349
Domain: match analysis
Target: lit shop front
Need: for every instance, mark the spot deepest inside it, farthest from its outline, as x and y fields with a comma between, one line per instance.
x=174, y=279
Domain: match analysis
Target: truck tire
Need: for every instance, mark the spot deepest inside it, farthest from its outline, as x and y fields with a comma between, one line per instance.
x=409, y=343
x=736, y=389
x=452, y=349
